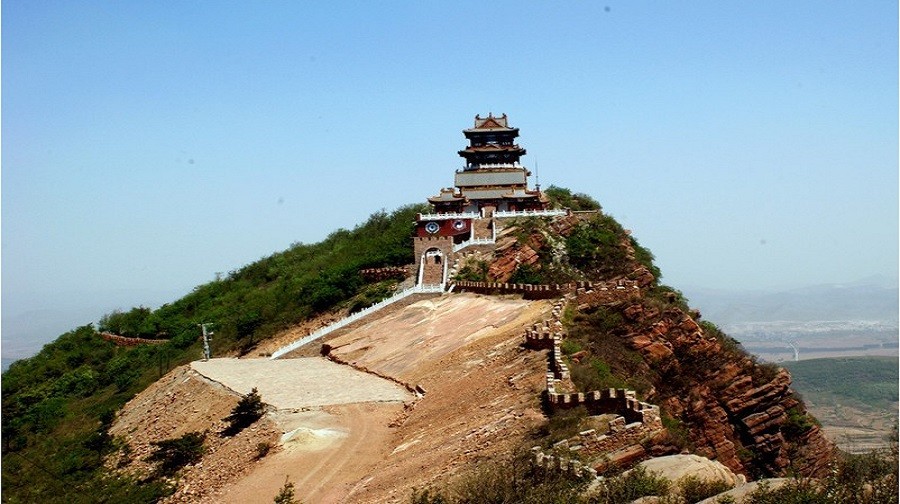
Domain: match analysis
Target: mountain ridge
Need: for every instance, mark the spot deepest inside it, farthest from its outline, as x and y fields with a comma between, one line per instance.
x=645, y=344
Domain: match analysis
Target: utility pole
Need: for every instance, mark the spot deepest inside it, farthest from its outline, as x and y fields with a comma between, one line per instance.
x=207, y=335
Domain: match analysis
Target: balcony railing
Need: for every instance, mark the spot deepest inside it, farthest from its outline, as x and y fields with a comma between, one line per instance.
x=528, y=213
x=449, y=216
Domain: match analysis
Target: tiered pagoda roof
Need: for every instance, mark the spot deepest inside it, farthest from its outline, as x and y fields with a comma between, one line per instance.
x=491, y=141
x=492, y=175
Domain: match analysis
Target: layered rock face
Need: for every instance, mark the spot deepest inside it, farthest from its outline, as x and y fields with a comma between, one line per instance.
x=739, y=412
x=733, y=409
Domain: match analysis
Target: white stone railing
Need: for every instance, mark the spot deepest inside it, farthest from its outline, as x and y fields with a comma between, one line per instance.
x=496, y=165
x=529, y=213
x=449, y=216
x=473, y=241
x=353, y=317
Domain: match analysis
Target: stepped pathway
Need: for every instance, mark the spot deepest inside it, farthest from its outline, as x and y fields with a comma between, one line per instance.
x=481, y=229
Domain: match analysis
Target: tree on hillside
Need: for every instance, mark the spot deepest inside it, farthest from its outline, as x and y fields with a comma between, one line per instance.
x=248, y=410
x=170, y=455
x=286, y=494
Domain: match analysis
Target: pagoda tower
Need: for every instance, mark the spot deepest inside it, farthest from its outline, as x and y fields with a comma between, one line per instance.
x=492, y=178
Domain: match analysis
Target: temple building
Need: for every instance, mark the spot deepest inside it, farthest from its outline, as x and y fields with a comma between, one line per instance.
x=492, y=185
x=492, y=178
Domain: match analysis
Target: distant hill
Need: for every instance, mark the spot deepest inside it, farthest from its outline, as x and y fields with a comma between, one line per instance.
x=866, y=381
x=872, y=299
x=855, y=398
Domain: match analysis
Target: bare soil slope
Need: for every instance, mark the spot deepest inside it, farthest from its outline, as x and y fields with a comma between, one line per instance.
x=342, y=438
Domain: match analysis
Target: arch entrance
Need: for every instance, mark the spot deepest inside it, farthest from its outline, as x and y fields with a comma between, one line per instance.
x=432, y=267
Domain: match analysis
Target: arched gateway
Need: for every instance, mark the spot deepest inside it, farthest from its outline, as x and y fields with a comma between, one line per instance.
x=491, y=179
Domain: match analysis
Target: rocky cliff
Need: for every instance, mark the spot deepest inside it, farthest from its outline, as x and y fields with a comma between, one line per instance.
x=716, y=399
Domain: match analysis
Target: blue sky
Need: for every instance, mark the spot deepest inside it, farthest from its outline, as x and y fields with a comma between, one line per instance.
x=148, y=145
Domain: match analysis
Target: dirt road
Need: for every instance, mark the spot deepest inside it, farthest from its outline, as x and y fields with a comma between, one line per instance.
x=332, y=449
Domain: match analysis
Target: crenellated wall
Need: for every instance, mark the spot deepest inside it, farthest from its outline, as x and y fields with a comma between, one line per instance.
x=385, y=273
x=585, y=292
x=528, y=291
x=635, y=420
x=127, y=342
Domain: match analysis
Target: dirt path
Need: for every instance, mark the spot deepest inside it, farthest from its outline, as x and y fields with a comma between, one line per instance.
x=343, y=435
x=332, y=451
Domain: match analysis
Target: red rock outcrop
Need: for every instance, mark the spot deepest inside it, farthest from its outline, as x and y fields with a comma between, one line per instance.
x=739, y=412
x=735, y=410
x=509, y=258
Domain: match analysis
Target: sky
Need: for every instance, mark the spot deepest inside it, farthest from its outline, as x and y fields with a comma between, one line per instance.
x=148, y=146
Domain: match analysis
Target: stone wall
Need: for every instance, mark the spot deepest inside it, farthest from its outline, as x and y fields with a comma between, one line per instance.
x=128, y=342
x=528, y=291
x=386, y=273
x=635, y=420
x=586, y=293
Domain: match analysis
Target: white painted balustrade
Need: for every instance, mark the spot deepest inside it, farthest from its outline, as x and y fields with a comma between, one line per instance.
x=528, y=213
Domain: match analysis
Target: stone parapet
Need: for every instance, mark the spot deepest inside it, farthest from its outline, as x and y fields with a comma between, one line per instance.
x=386, y=273
x=635, y=420
x=590, y=293
x=557, y=463
x=127, y=342
x=528, y=291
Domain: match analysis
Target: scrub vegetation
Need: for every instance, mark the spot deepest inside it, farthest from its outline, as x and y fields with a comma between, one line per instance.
x=855, y=479
x=58, y=405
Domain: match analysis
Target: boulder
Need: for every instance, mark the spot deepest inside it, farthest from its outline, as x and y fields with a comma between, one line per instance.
x=741, y=492
x=676, y=467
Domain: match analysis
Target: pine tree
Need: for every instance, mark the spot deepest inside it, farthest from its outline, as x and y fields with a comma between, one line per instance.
x=248, y=410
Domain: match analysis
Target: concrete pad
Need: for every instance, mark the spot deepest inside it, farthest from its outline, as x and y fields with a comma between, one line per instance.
x=301, y=383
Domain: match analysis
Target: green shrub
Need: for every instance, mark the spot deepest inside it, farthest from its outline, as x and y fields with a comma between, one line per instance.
x=594, y=247
x=473, y=271
x=561, y=197
x=763, y=372
x=506, y=481
x=568, y=347
x=679, y=434
x=171, y=455
x=427, y=496
x=798, y=423
x=669, y=295
x=372, y=294
x=527, y=274
x=694, y=489
x=594, y=375
x=645, y=258
x=286, y=494
x=80, y=382
x=561, y=424
x=728, y=344
x=633, y=485
x=135, y=323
